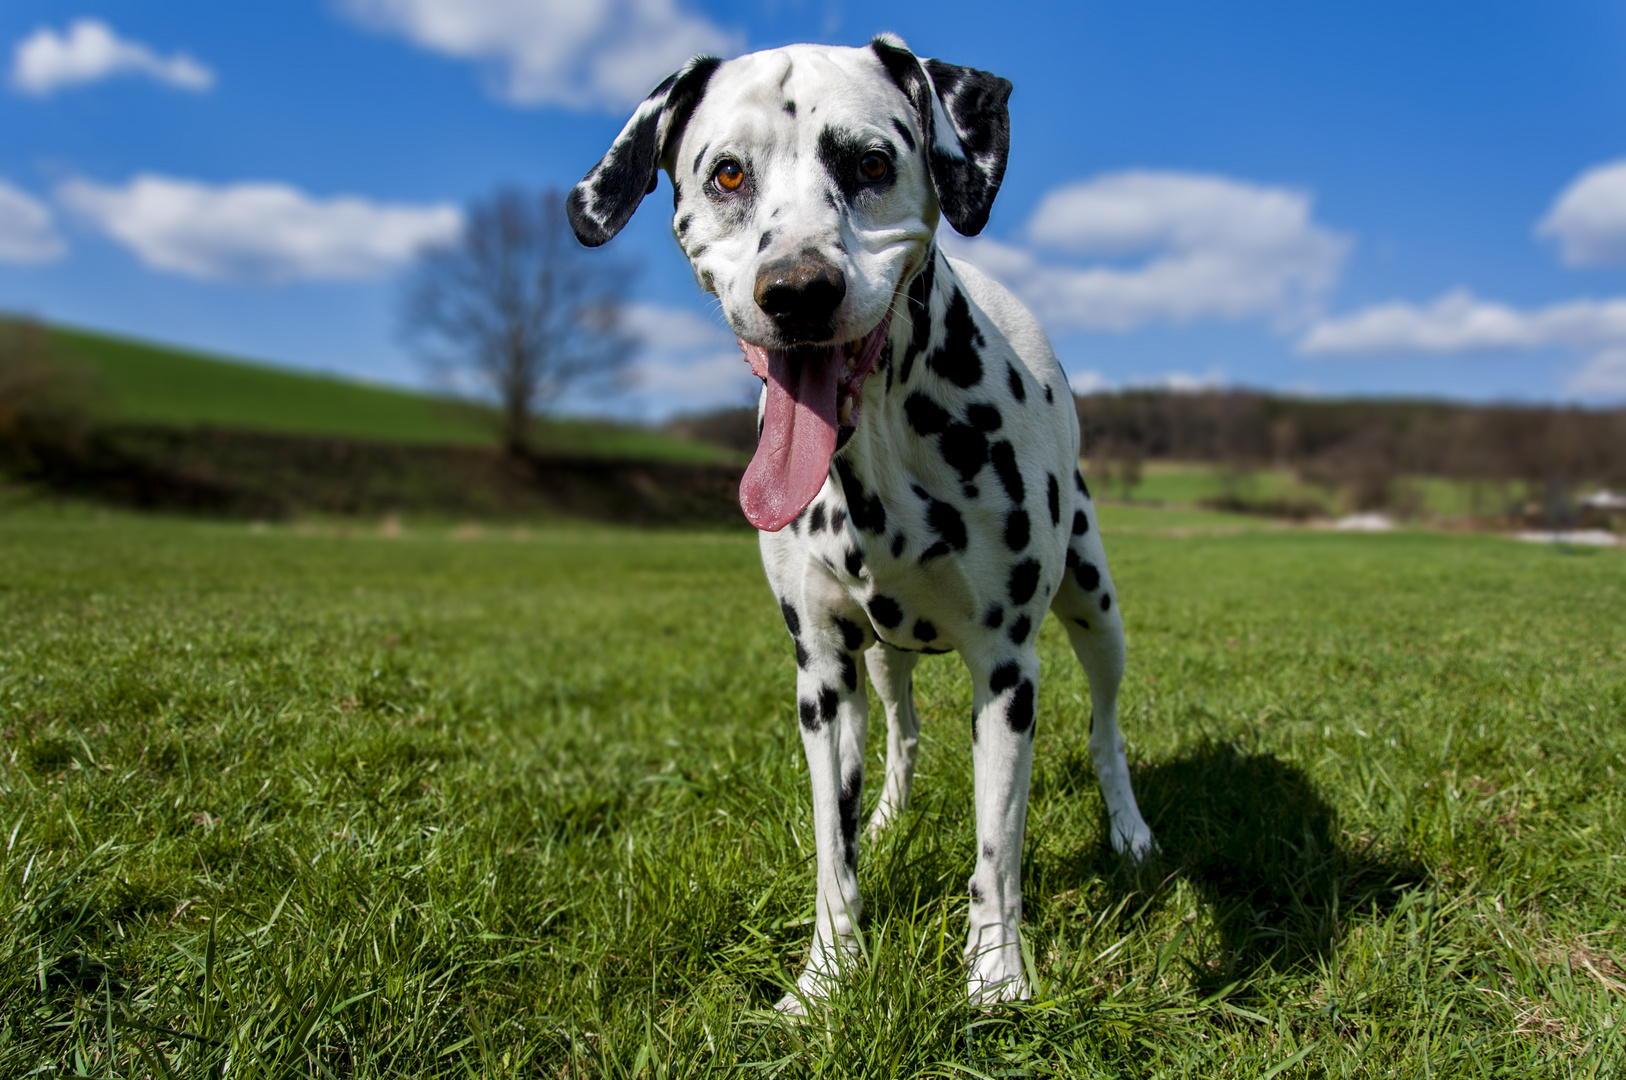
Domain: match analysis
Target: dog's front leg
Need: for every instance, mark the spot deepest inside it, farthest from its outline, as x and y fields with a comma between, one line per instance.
x=1002, y=725
x=834, y=715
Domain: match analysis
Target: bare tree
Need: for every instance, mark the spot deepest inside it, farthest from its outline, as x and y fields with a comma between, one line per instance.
x=515, y=301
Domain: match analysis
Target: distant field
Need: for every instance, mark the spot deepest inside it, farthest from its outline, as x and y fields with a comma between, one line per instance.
x=1188, y=483
x=159, y=384
x=530, y=802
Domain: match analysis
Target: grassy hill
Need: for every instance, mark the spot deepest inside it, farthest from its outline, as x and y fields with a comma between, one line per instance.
x=151, y=383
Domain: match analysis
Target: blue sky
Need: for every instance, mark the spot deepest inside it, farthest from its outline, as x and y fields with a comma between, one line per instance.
x=1370, y=199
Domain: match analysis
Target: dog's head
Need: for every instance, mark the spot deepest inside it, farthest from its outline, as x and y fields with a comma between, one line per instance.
x=807, y=185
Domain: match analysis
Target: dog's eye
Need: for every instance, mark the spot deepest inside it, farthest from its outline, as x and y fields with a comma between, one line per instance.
x=729, y=176
x=873, y=166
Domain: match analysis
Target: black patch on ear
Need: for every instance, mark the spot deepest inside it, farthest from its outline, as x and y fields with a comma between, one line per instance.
x=977, y=104
x=602, y=204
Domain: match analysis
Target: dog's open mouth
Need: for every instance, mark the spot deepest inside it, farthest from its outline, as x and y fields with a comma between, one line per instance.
x=812, y=391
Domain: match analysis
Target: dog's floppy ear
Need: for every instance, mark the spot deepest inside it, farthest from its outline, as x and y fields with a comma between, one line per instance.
x=967, y=123
x=603, y=202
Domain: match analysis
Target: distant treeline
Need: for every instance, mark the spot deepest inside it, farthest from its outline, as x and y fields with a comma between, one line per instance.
x=1417, y=438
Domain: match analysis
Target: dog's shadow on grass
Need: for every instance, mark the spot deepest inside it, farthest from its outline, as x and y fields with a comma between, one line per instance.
x=1261, y=847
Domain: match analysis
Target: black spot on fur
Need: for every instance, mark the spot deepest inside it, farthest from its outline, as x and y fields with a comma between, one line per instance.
x=1024, y=581
x=851, y=635
x=793, y=621
x=790, y=108
x=994, y=617
x=839, y=151
x=868, y=513
x=958, y=360
x=983, y=417
x=885, y=610
x=1004, y=677
x=964, y=448
x=1049, y=394
x=815, y=519
x=1081, y=523
x=976, y=893
x=838, y=519
x=854, y=563
x=1106, y=601
x=809, y=713
x=988, y=851
x=852, y=790
x=1003, y=455
x=1087, y=576
x=1085, y=623
x=1019, y=713
x=801, y=653
x=1018, y=633
x=764, y=240
x=924, y=631
x=946, y=522
x=926, y=416
x=828, y=700
x=1054, y=495
x=920, y=315
x=1019, y=390
x=897, y=546
x=1078, y=482
x=936, y=551
x=1016, y=530
x=684, y=222
x=1072, y=558
x=849, y=672
x=903, y=133
x=970, y=491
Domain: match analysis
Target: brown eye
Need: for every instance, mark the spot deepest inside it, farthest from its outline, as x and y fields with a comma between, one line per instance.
x=729, y=176
x=873, y=166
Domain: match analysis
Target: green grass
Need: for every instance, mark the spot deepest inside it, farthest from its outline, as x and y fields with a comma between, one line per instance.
x=148, y=383
x=291, y=802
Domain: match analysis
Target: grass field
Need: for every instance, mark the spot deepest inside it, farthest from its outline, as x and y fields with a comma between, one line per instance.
x=144, y=382
x=293, y=802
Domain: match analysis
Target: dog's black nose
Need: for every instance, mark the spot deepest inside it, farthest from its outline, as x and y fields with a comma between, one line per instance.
x=801, y=293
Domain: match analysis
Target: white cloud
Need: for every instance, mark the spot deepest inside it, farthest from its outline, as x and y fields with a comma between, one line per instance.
x=1210, y=247
x=1459, y=322
x=91, y=51
x=1087, y=382
x=1604, y=376
x=27, y=234
x=257, y=231
x=1589, y=218
x=688, y=363
x=580, y=53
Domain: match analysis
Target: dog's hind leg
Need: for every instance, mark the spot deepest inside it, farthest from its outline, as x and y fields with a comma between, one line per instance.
x=892, y=673
x=1087, y=605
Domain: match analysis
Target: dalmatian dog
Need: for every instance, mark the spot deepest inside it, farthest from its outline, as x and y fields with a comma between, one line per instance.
x=916, y=482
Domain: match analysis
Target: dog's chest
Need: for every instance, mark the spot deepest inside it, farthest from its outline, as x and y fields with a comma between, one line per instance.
x=943, y=515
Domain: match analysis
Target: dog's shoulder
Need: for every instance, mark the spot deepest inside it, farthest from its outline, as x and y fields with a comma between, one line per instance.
x=1012, y=319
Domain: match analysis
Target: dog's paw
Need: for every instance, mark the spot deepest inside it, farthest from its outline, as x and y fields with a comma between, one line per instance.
x=1133, y=839
x=994, y=961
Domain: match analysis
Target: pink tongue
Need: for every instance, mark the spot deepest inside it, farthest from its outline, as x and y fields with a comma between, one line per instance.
x=798, y=433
